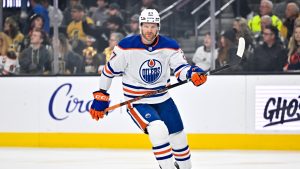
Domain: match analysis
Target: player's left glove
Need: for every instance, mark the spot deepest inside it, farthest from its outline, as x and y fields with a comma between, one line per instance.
x=100, y=103
x=196, y=75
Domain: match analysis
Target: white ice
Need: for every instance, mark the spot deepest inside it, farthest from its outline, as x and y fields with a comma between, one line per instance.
x=53, y=158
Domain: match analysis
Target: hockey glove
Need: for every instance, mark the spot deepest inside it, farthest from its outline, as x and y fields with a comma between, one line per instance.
x=196, y=75
x=100, y=103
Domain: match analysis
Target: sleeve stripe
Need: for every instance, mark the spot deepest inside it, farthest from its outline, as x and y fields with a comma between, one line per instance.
x=177, y=74
x=107, y=70
x=106, y=74
x=179, y=67
x=111, y=69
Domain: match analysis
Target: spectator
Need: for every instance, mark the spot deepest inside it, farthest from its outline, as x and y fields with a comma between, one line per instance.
x=280, y=7
x=294, y=51
x=4, y=47
x=291, y=14
x=91, y=61
x=36, y=59
x=202, y=56
x=9, y=63
x=36, y=23
x=100, y=15
x=242, y=30
x=134, y=25
x=74, y=29
x=100, y=33
x=51, y=13
x=115, y=11
x=69, y=61
x=15, y=37
x=114, y=39
x=67, y=17
x=227, y=50
x=115, y=24
x=4, y=44
x=241, y=9
x=271, y=55
x=266, y=20
x=265, y=8
x=38, y=9
x=144, y=4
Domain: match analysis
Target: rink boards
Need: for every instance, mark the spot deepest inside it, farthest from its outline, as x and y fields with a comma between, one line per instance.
x=227, y=112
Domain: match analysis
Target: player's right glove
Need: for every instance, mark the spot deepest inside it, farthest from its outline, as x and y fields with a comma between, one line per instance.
x=100, y=103
x=196, y=75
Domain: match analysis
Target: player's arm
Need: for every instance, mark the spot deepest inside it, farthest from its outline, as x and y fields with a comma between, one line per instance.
x=183, y=71
x=114, y=67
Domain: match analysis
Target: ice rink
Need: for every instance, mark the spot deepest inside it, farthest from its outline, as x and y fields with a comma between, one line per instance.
x=36, y=158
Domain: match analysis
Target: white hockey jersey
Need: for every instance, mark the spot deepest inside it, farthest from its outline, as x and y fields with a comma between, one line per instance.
x=145, y=68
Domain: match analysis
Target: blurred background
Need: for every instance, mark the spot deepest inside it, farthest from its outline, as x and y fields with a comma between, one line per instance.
x=52, y=53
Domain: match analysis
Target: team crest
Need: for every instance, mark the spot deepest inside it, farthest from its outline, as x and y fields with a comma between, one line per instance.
x=150, y=71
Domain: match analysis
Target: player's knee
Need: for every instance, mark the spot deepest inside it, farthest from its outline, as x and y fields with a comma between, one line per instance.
x=178, y=140
x=158, y=132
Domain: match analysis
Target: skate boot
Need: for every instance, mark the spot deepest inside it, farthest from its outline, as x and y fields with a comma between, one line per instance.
x=176, y=165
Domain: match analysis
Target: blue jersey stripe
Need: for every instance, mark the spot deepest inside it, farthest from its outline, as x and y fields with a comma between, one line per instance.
x=179, y=67
x=161, y=146
x=138, y=87
x=183, y=159
x=111, y=69
x=181, y=150
x=106, y=74
x=164, y=157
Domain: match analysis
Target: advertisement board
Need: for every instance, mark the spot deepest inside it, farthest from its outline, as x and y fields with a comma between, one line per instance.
x=277, y=108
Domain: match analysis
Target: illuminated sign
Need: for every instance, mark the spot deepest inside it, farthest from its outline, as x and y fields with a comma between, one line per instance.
x=277, y=108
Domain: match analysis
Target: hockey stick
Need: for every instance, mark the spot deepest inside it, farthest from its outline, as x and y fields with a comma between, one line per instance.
x=240, y=51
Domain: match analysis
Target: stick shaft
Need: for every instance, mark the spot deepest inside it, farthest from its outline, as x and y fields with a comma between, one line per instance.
x=161, y=90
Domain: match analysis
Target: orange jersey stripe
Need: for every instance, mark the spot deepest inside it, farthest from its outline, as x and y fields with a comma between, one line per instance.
x=163, y=152
x=107, y=70
x=137, y=118
x=177, y=74
x=137, y=92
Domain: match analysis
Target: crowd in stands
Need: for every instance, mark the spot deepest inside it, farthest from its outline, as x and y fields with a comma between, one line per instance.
x=272, y=42
x=87, y=37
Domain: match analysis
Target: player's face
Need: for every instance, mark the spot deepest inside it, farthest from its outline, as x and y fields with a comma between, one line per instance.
x=149, y=31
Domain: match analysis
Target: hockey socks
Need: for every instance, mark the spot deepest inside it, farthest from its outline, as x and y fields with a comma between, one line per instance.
x=181, y=150
x=163, y=155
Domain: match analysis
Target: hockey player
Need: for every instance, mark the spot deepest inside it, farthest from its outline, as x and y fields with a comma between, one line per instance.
x=144, y=61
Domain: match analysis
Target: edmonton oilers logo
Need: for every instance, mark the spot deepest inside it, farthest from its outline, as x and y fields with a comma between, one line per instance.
x=150, y=71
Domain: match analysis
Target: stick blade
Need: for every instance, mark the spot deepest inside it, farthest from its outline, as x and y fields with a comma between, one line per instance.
x=241, y=47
